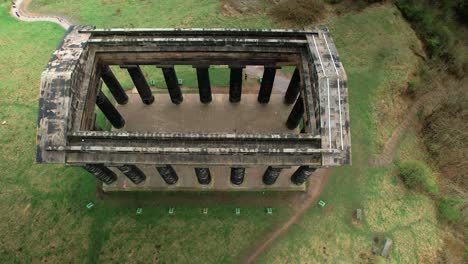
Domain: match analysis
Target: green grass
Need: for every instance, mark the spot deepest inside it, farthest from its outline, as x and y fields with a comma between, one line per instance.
x=152, y=14
x=219, y=76
x=372, y=45
x=43, y=214
x=417, y=175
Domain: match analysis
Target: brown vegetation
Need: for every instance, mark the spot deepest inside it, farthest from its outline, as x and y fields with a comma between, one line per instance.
x=300, y=12
x=446, y=130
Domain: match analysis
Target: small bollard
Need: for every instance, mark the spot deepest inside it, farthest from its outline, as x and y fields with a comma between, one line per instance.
x=321, y=203
x=139, y=211
x=90, y=205
x=237, y=211
x=269, y=211
x=205, y=211
x=171, y=210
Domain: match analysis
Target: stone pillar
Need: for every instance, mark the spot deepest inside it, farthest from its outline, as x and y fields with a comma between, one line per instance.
x=113, y=84
x=140, y=83
x=172, y=84
x=109, y=110
x=235, y=84
x=271, y=175
x=237, y=175
x=267, y=85
x=203, y=175
x=101, y=172
x=296, y=114
x=133, y=173
x=204, y=85
x=293, y=88
x=302, y=174
x=168, y=174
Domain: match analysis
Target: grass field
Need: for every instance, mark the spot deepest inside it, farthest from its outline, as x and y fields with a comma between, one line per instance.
x=375, y=47
x=43, y=207
x=43, y=215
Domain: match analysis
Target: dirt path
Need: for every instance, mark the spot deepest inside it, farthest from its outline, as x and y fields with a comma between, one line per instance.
x=391, y=146
x=317, y=183
x=19, y=11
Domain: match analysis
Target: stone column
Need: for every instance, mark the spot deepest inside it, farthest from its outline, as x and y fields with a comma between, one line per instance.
x=172, y=84
x=140, y=83
x=296, y=114
x=267, y=85
x=237, y=175
x=113, y=84
x=293, y=88
x=101, y=172
x=302, y=174
x=271, y=175
x=168, y=174
x=203, y=175
x=133, y=173
x=204, y=85
x=235, y=84
x=109, y=110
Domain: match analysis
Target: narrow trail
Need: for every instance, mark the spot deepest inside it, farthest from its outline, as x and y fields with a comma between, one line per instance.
x=19, y=11
x=391, y=146
x=317, y=183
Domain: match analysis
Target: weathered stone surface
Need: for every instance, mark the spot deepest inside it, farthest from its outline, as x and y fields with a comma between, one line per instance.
x=358, y=214
x=71, y=84
x=387, y=247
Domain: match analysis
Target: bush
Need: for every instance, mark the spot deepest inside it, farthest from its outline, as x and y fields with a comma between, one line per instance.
x=449, y=210
x=462, y=11
x=416, y=174
x=300, y=12
x=412, y=85
x=434, y=23
x=445, y=132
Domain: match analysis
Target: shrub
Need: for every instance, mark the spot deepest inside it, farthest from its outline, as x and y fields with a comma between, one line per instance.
x=431, y=186
x=462, y=11
x=412, y=85
x=416, y=174
x=445, y=132
x=449, y=209
x=434, y=23
x=300, y=12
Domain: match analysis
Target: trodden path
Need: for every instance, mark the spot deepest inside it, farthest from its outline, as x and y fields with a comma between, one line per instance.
x=317, y=183
x=391, y=146
x=19, y=11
